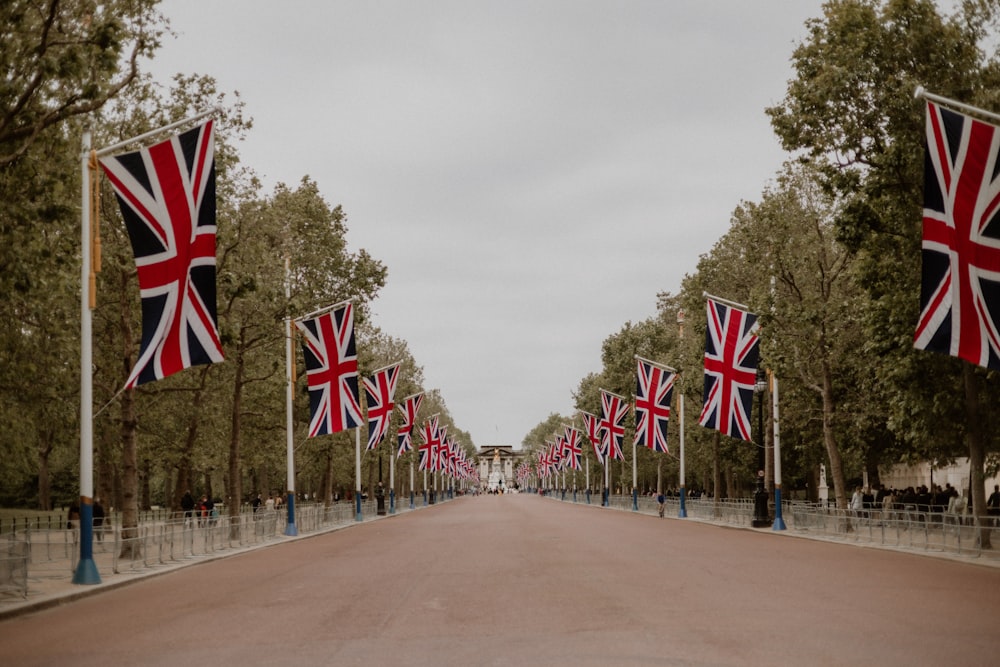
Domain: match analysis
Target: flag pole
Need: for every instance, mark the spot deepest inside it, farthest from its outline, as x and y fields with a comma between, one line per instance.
x=779, y=522
x=682, y=511
x=921, y=92
x=160, y=130
x=392, y=480
x=635, y=478
x=726, y=302
x=357, y=473
x=86, y=570
x=411, y=482
x=290, y=528
x=320, y=311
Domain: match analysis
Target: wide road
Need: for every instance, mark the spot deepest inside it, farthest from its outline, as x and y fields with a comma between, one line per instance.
x=520, y=580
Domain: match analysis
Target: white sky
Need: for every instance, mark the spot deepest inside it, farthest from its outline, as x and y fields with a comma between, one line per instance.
x=531, y=172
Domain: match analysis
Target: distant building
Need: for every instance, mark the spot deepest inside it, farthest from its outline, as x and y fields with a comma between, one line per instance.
x=496, y=465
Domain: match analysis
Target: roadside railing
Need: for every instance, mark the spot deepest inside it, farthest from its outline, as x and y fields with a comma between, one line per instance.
x=916, y=528
x=47, y=548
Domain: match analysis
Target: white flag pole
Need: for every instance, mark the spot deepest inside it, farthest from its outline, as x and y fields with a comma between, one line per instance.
x=86, y=570
x=290, y=528
x=920, y=92
x=357, y=473
x=392, y=479
x=682, y=512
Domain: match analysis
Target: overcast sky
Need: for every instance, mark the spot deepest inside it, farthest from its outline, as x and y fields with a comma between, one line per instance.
x=531, y=172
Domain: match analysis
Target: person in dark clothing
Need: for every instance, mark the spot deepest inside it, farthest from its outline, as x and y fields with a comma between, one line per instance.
x=993, y=504
x=187, y=504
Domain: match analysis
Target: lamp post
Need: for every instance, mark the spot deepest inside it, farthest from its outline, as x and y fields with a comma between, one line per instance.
x=760, y=513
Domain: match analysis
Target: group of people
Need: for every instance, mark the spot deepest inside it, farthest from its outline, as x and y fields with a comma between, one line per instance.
x=259, y=504
x=935, y=499
x=203, y=511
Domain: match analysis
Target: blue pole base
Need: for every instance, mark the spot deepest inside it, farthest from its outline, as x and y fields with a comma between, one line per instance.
x=779, y=523
x=425, y=497
x=411, y=500
x=682, y=512
x=392, y=501
x=86, y=572
x=357, y=507
x=635, y=500
x=291, y=529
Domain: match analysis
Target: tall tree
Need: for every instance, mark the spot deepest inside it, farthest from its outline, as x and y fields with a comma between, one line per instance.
x=850, y=109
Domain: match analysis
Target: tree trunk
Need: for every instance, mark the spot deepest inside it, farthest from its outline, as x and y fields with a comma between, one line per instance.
x=46, y=439
x=716, y=474
x=328, y=479
x=130, y=492
x=145, y=498
x=977, y=455
x=830, y=441
x=234, y=487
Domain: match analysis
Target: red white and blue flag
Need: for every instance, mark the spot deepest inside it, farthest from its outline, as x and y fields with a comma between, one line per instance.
x=654, y=390
x=612, y=424
x=166, y=193
x=592, y=425
x=404, y=435
x=441, y=453
x=428, y=450
x=960, y=289
x=732, y=351
x=379, y=391
x=572, y=450
x=331, y=371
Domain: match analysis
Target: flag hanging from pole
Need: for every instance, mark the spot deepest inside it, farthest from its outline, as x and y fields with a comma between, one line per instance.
x=572, y=450
x=960, y=287
x=379, y=391
x=404, y=435
x=654, y=390
x=592, y=425
x=612, y=424
x=166, y=193
x=428, y=450
x=732, y=350
x=331, y=371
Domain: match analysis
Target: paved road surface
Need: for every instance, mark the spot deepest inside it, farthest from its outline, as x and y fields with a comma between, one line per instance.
x=519, y=580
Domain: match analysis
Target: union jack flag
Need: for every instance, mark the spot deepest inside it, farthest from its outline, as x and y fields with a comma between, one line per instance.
x=731, y=354
x=404, y=435
x=612, y=424
x=428, y=450
x=441, y=453
x=166, y=193
x=654, y=390
x=379, y=391
x=960, y=289
x=331, y=371
x=592, y=424
x=556, y=454
x=572, y=450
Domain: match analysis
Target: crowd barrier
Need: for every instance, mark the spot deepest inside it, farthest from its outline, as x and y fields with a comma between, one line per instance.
x=46, y=549
x=912, y=528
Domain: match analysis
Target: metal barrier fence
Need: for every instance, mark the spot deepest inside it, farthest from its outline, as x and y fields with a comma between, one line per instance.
x=45, y=549
x=944, y=532
x=913, y=528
